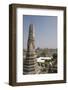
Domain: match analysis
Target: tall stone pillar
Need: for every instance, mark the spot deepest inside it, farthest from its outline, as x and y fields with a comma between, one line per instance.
x=30, y=63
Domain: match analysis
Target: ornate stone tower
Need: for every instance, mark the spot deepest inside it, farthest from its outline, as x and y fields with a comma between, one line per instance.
x=30, y=63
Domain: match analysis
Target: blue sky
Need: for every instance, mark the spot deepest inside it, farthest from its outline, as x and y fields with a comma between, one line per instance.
x=45, y=30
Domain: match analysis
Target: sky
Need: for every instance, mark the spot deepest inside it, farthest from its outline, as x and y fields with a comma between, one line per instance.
x=45, y=30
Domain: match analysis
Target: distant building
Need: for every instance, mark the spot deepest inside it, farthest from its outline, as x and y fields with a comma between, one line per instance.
x=41, y=60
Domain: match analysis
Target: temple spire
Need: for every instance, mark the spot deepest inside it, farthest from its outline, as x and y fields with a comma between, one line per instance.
x=30, y=63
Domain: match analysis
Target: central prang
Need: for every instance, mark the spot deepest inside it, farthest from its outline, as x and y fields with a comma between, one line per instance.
x=30, y=63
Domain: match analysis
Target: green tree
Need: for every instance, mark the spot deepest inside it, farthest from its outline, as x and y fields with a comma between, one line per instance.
x=55, y=55
x=43, y=53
